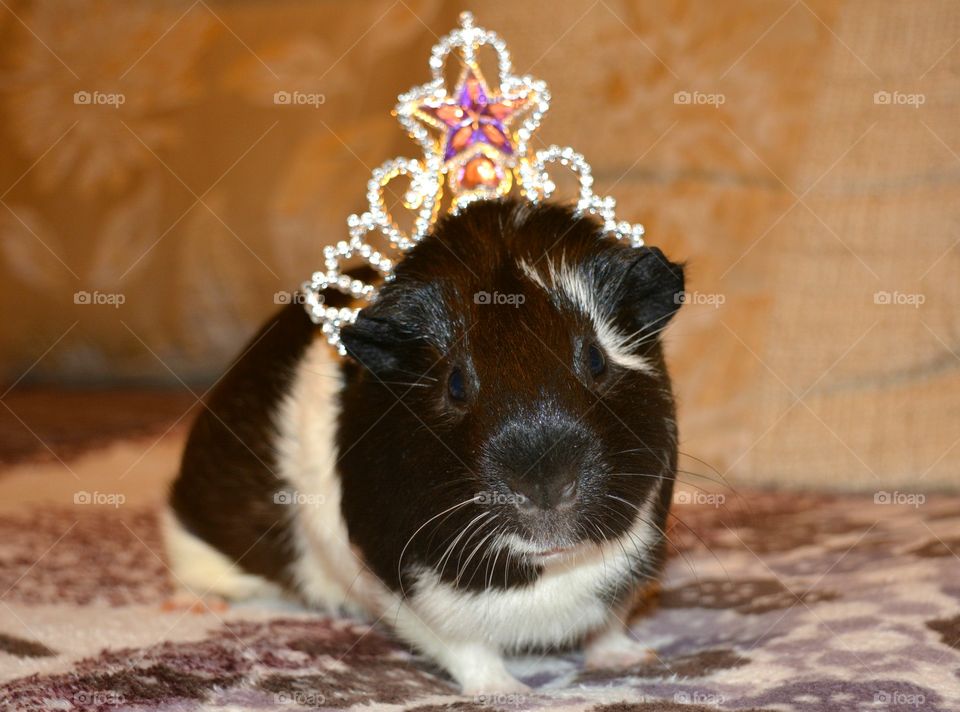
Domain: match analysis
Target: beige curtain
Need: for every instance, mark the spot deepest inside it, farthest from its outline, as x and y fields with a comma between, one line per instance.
x=802, y=157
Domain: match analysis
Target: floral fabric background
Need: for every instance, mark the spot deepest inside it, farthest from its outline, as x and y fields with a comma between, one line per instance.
x=769, y=602
x=156, y=201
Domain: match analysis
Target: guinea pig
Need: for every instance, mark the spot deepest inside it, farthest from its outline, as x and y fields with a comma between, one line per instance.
x=488, y=470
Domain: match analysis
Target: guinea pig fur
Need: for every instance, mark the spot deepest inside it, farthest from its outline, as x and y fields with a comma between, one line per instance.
x=489, y=470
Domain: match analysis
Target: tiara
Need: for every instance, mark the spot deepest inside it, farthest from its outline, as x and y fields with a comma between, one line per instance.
x=475, y=143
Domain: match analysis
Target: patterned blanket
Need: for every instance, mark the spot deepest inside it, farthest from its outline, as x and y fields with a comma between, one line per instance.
x=769, y=602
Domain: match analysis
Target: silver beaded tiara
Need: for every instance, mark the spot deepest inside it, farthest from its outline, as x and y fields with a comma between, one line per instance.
x=475, y=140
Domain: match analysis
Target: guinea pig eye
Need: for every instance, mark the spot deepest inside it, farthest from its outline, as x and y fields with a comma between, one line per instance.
x=596, y=361
x=455, y=385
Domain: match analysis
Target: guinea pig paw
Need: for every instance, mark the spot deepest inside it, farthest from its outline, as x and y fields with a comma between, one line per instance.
x=501, y=685
x=189, y=602
x=617, y=651
x=479, y=669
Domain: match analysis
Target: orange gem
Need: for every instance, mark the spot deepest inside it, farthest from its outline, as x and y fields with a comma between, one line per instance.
x=479, y=171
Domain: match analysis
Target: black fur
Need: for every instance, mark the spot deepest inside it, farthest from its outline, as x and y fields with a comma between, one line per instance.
x=533, y=419
x=533, y=415
x=227, y=483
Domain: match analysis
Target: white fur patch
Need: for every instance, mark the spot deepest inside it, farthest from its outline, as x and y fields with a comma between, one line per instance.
x=530, y=272
x=202, y=570
x=574, y=286
x=561, y=606
x=327, y=571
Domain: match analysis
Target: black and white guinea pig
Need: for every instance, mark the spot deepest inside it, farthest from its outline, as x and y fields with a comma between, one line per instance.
x=489, y=470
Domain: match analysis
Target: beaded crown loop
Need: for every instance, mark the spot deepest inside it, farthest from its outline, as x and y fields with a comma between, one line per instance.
x=475, y=143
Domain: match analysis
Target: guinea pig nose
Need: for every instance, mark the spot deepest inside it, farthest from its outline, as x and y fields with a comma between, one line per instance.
x=559, y=493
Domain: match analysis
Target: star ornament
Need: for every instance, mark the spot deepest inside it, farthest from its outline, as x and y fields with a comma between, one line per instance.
x=476, y=140
x=475, y=132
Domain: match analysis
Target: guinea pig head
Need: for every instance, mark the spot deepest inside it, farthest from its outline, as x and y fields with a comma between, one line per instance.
x=506, y=399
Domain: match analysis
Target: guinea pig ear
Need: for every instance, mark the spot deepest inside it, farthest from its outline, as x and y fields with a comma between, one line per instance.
x=374, y=340
x=395, y=327
x=653, y=288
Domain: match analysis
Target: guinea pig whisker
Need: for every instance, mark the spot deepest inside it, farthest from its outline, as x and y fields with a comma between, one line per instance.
x=640, y=335
x=476, y=531
x=718, y=474
x=619, y=539
x=451, y=541
x=649, y=475
x=586, y=536
x=721, y=481
x=475, y=550
x=489, y=572
x=417, y=376
x=461, y=568
x=437, y=527
x=402, y=383
x=513, y=556
x=700, y=539
x=639, y=512
x=404, y=550
x=500, y=547
x=635, y=543
x=656, y=477
x=723, y=484
x=659, y=529
x=702, y=476
x=679, y=479
x=633, y=449
x=702, y=462
x=437, y=491
x=705, y=545
x=445, y=558
x=597, y=526
x=454, y=482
